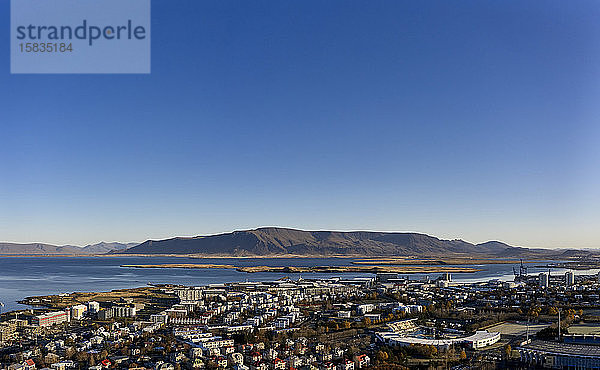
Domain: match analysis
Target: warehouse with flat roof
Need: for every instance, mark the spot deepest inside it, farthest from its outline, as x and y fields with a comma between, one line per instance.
x=560, y=355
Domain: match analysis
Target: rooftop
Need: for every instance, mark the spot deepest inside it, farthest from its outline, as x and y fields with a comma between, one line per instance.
x=567, y=349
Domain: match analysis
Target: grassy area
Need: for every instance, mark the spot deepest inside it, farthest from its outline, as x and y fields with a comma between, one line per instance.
x=588, y=328
x=512, y=328
x=141, y=295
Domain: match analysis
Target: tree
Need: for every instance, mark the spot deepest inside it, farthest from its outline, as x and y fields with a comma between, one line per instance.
x=534, y=311
x=508, y=351
x=70, y=352
x=382, y=356
x=551, y=332
x=81, y=356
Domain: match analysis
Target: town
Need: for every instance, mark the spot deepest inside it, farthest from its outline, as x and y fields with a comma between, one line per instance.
x=384, y=321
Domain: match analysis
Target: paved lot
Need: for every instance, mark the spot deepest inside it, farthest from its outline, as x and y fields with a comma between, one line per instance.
x=584, y=329
x=510, y=328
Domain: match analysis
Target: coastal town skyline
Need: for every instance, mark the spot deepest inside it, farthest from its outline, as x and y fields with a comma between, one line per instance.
x=309, y=185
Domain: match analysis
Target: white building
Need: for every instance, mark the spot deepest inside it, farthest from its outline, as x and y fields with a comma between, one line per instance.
x=344, y=314
x=480, y=339
x=78, y=311
x=362, y=309
x=50, y=318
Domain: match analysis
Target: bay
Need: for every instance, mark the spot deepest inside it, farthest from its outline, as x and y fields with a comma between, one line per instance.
x=22, y=277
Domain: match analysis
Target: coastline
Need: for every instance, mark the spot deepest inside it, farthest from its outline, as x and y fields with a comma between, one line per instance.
x=184, y=255
x=315, y=269
x=360, y=259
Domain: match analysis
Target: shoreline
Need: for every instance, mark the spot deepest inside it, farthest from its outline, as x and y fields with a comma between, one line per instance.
x=199, y=256
x=360, y=259
x=316, y=269
x=435, y=261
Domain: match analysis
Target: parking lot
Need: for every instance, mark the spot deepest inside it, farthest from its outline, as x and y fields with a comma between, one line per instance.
x=517, y=328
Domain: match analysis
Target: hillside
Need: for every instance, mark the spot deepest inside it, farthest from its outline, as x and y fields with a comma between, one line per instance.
x=104, y=247
x=38, y=248
x=41, y=248
x=278, y=241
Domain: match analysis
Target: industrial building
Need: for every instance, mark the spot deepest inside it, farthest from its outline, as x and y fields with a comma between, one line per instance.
x=50, y=318
x=556, y=355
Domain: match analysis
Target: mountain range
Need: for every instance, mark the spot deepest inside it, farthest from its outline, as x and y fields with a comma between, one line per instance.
x=41, y=248
x=282, y=241
x=272, y=241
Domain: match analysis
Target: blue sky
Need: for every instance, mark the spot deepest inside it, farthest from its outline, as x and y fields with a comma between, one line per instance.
x=475, y=119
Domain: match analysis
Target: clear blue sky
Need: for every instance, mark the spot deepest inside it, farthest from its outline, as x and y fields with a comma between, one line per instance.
x=474, y=119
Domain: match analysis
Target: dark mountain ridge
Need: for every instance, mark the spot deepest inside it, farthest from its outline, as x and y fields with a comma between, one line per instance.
x=279, y=241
